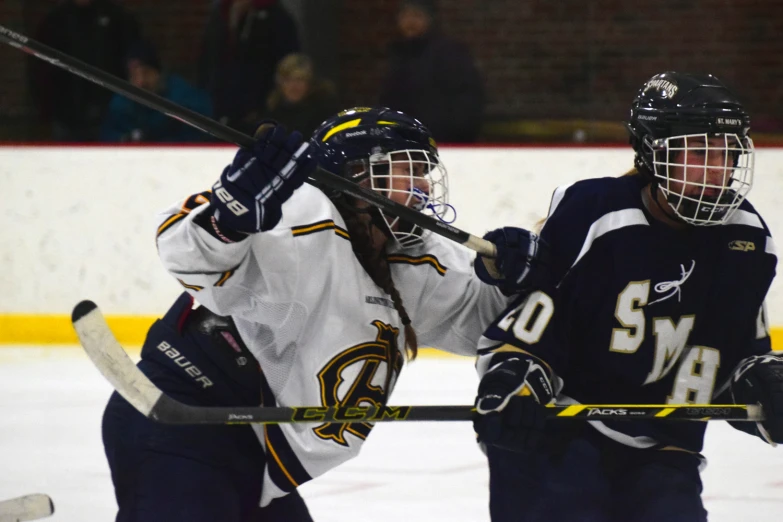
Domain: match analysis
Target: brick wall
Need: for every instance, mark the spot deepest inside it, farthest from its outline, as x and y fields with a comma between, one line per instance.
x=585, y=59
x=541, y=59
x=174, y=26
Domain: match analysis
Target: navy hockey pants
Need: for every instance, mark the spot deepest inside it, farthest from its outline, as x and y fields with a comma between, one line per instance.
x=594, y=479
x=167, y=473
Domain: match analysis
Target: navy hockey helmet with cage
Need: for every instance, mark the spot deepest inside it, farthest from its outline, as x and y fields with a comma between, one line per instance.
x=679, y=112
x=390, y=152
x=354, y=134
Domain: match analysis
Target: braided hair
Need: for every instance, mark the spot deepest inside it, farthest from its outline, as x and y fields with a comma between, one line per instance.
x=375, y=262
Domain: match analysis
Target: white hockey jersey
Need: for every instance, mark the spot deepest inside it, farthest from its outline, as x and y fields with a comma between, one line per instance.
x=317, y=323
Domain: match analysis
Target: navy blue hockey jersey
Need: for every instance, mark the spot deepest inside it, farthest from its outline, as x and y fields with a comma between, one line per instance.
x=643, y=313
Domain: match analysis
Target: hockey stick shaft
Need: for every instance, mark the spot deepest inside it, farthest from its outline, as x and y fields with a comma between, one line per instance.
x=199, y=121
x=28, y=507
x=113, y=362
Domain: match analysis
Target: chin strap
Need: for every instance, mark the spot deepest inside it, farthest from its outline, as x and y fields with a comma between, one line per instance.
x=667, y=213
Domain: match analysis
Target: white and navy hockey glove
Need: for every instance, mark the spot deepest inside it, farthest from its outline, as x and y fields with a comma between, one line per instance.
x=522, y=261
x=251, y=191
x=510, y=409
x=759, y=380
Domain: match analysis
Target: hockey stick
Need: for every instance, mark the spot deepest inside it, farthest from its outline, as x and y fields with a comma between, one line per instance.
x=28, y=507
x=220, y=131
x=108, y=355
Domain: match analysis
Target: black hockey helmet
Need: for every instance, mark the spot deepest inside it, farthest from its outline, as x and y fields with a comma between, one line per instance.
x=679, y=112
x=367, y=144
x=354, y=134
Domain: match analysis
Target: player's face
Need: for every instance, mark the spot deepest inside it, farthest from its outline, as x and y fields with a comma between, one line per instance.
x=704, y=165
x=398, y=179
x=405, y=177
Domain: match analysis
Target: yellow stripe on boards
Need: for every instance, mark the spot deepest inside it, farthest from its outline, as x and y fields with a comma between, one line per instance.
x=131, y=330
x=57, y=329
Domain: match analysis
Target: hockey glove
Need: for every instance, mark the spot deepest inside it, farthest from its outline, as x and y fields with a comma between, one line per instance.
x=251, y=191
x=510, y=409
x=522, y=262
x=759, y=380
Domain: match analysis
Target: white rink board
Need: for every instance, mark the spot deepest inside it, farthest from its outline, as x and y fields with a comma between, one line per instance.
x=79, y=223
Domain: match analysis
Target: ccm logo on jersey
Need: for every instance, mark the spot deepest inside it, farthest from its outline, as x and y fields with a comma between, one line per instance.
x=180, y=360
x=233, y=205
x=742, y=246
x=606, y=411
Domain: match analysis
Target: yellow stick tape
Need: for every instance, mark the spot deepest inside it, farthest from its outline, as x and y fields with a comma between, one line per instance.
x=131, y=330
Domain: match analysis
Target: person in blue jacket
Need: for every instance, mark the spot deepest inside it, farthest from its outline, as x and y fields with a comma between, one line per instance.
x=128, y=121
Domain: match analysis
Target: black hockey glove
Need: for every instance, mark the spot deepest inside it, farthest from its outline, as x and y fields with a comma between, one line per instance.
x=510, y=409
x=522, y=262
x=759, y=380
x=251, y=191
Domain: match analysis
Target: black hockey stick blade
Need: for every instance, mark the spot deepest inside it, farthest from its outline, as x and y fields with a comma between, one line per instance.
x=113, y=362
x=319, y=178
x=28, y=507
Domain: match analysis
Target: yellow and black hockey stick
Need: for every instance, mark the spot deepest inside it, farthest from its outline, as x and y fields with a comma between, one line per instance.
x=319, y=178
x=113, y=362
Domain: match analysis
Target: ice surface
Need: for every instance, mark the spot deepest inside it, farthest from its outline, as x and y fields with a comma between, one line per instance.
x=52, y=398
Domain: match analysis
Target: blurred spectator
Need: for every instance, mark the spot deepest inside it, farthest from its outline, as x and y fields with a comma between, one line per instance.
x=128, y=121
x=243, y=42
x=98, y=32
x=433, y=77
x=301, y=101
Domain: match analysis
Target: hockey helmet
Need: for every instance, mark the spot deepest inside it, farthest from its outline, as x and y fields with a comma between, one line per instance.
x=390, y=152
x=681, y=122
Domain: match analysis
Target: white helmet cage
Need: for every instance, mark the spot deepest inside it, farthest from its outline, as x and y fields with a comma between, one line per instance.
x=415, y=178
x=704, y=179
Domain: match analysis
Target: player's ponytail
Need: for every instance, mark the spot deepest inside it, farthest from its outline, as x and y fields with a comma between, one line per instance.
x=374, y=262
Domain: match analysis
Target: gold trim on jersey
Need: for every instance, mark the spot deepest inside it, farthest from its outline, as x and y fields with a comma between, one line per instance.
x=191, y=203
x=428, y=259
x=170, y=221
x=512, y=348
x=277, y=459
x=190, y=287
x=320, y=226
x=225, y=277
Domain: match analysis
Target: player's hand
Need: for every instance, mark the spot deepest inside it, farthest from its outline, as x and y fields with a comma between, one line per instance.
x=522, y=261
x=759, y=380
x=510, y=409
x=251, y=191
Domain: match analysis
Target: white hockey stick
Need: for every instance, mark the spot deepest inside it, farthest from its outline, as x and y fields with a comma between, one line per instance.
x=108, y=355
x=28, y=507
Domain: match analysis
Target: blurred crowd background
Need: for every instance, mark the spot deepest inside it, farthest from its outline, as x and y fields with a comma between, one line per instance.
x=490, y=71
